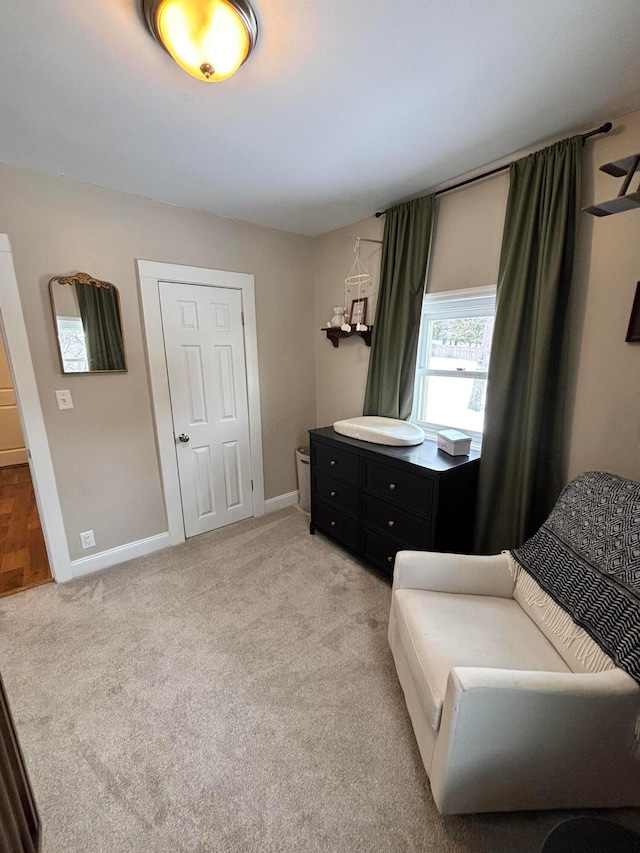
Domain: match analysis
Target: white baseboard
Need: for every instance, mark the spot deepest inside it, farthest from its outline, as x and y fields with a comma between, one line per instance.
x=281, y=501
x=104, y=559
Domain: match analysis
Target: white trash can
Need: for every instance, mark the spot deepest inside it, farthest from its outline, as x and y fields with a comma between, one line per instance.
x=304, y=477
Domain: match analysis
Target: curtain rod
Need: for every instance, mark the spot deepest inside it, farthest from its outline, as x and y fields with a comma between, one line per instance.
x=605, y=128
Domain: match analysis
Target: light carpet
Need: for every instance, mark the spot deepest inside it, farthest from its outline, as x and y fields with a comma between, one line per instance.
x=234, y=694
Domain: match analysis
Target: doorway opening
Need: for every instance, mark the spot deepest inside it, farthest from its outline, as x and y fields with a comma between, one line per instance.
x=14, y=334
x=23, y=554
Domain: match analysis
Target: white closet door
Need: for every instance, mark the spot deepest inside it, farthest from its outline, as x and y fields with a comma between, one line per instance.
x=204, y=345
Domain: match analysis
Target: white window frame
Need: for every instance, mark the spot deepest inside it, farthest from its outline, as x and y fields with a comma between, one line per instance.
x=72, y=324
x=470, y=302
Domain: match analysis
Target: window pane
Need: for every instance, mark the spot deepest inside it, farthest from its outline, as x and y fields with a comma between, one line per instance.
x=460, y=344
x=72, y=345
x=453, y=402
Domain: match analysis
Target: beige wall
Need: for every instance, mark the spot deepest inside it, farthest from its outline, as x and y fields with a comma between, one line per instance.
x=605, y=427
x=103, y=450
x=341, y=373
x=603, y=398
x=65, y=299
x=465, y=253
x=467, y=236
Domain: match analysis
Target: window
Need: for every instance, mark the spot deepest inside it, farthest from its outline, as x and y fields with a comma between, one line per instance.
x=453, y=360
x=72, y=344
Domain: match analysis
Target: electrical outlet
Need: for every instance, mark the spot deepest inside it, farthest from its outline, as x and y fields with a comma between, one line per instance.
x=87, y=539
x=64, y=399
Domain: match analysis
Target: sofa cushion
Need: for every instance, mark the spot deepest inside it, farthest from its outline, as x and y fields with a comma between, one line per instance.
x=439, y=631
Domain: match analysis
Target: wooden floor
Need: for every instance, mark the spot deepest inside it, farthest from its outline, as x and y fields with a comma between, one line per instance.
x=23, y=556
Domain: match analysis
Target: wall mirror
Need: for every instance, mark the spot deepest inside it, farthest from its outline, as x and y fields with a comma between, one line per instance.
x=86, y=313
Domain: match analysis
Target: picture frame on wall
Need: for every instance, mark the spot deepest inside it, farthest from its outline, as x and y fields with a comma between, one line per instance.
x=633, y=333
x=358, y=313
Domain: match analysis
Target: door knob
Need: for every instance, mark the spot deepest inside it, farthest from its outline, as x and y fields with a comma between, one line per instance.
x=183, y=437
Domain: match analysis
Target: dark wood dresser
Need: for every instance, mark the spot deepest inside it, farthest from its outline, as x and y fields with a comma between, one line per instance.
x=379, y=500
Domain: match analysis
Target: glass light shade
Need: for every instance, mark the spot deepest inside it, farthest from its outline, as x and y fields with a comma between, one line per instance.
x=209, y=39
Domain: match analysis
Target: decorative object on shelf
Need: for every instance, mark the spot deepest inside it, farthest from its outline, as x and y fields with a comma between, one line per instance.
x=625, y=168
x=209, y=39
x=338, y=317
x=359, y=278
x=358, y=313
x=335, y=334
x=86, y=313
x=633, y=333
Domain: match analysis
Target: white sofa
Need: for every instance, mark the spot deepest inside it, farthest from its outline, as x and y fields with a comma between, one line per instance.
x=513, y=705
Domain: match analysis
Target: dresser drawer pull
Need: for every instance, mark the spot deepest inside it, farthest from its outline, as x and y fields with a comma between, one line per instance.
x=390, y=523
x=333, y=461
x=333, y=494
x=333, y=524
x=389, y=559
x=392, y=486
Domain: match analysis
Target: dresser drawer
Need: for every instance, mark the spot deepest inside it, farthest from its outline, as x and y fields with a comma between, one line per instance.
x=380, y=551
x=358, y=488
x=336, y=524
x=389, y=520
x=391, y=484
x=336, y=493
x=337, y=462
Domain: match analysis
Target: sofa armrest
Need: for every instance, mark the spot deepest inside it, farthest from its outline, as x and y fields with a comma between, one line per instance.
x=612, y=685
x=457, y=573
x=511, y=739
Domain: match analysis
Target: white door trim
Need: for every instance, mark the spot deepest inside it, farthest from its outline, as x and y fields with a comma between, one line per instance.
x=150, y=273
x=35, y=435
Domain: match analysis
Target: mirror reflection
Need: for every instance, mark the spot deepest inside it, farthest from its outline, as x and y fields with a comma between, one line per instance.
x=88, y=323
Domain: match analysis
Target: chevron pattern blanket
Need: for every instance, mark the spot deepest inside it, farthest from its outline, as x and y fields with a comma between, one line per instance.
x=587, y=557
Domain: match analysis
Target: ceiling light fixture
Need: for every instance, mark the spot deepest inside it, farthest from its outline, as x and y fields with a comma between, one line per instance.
x=210, y=39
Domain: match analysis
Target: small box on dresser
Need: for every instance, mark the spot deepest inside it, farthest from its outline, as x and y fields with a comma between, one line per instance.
x=453, y=442
x=377, y=500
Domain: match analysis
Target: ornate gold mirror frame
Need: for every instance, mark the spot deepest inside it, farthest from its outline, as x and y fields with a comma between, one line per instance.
x=88, y=323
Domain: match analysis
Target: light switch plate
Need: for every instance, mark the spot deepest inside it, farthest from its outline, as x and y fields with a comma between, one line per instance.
x=64, y=399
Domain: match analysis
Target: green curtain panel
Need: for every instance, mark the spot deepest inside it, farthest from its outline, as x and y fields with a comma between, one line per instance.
x=521, y=471
x=394, y=343
x=101, y=322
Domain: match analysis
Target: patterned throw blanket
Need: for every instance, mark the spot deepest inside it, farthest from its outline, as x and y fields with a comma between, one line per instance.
x=587, y=557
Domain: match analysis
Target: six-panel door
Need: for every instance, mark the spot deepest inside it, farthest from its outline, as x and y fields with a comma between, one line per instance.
x=204, y=344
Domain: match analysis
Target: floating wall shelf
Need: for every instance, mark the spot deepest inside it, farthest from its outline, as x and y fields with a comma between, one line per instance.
x=334, y=333
x=625, y=168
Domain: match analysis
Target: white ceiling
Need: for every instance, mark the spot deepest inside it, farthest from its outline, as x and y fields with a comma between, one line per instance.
x=345, y=107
